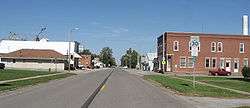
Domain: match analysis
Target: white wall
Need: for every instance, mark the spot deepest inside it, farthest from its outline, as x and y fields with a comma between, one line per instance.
x=8, y=46
x=34, y=65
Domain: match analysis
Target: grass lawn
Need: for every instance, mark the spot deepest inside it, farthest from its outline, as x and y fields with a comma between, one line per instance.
x=243, y=107
x=19, y=84
x=233, y=83
x=9, y=74
x=186, y=88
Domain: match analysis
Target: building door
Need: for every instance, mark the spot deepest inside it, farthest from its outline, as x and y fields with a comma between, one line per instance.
x=169, y=64
x=228, y=65
x=236, y=65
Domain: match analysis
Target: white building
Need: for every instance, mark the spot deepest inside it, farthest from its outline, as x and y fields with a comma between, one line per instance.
x=147, y=61
x=8, y=46
x=150, y=58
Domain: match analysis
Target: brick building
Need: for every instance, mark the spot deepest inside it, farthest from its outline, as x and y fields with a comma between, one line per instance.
x=85, y=61
x=231, y=52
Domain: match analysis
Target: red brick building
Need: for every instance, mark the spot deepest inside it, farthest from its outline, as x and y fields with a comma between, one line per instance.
x=85, y=61
x=231, y=52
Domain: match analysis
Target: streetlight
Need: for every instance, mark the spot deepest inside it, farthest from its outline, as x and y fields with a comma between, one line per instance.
x=69, y=55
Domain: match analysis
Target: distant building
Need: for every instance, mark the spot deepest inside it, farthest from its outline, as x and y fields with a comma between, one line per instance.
x=147, y=61
x=9, y=46
x=85, y=61
x=150, y=58
x=35, y=59
x=230, y=52
x=97, y=63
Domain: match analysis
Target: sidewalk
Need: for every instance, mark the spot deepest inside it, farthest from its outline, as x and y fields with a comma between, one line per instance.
x=27, y=78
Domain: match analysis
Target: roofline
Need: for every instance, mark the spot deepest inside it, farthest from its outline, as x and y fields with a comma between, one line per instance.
x=199, y=33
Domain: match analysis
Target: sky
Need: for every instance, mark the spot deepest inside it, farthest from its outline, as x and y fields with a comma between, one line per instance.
x=120, y=24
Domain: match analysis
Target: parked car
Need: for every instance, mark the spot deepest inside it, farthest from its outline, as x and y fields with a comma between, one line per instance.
x=2, y=65
x=219, y=72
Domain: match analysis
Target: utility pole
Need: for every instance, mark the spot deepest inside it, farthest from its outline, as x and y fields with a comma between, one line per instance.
x=69, y=54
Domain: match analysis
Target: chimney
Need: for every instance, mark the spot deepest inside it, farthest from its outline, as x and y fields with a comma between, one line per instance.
x=245, y=25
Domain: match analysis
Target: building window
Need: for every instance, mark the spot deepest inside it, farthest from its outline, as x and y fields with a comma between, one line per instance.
x=245, y=62
x=190, y=46
x=182, y=62
x=242, y=50
x=207, y=62
x=190, y=63
x=213, y=63
x=220, y=47
x=222, y=63
x=176, y=46
x=213, y=47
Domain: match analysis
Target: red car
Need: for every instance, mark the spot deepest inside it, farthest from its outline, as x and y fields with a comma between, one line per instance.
x=219, y=72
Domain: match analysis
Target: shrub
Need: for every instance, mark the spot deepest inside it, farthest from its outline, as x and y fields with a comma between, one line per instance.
x=246, y=72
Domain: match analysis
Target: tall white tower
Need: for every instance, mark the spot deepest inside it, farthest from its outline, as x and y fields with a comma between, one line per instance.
x=245, y=25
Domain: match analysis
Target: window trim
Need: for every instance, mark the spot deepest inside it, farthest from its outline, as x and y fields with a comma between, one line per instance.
x=208, y=62
x=247, y=62
x=177, y=45
x=214, y=58
x=219, y=44
x=189, y=62
x=185, y=62
x=223, y=63
x=243, y=47
x=213, y=46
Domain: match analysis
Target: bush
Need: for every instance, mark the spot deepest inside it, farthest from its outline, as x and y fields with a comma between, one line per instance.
x=246, y=72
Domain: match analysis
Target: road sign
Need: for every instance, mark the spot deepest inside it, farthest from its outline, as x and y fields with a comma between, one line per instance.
x=163, y=62
x=194, y=45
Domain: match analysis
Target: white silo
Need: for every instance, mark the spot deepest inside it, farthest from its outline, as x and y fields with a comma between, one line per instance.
x=245, y=25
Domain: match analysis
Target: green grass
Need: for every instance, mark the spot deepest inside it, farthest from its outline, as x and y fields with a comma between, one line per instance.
x=243, y=107
x=9, y=74
x=18, y=84
x=233, y=83
x=186, y=88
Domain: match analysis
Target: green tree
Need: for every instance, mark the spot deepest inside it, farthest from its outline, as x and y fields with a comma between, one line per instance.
x=106, y=56
x=85, y=52
x=130, y=58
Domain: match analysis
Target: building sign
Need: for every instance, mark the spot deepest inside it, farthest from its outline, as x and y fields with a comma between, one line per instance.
x=195, y=43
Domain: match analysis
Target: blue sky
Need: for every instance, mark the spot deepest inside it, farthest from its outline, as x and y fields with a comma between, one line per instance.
x=120, y=24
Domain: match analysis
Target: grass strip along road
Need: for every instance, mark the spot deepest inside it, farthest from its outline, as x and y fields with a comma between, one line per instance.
x=185, y=87
x=233, y=83
x=10, y=74
x=18, y=84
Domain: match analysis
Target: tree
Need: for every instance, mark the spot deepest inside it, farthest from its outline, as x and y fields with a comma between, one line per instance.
x=130, y=58
x=106, y=56
x=85, y=52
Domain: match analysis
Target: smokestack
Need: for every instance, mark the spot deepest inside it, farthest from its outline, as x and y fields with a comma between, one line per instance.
x=245, y=25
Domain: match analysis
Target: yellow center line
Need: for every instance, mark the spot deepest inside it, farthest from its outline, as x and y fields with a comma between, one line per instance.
x=103, y=87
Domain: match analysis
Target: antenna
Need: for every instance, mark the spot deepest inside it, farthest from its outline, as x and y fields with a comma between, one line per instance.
x=41, y=31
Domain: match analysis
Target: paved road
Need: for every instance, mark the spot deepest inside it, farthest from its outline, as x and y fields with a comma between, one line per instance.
x=122, y=90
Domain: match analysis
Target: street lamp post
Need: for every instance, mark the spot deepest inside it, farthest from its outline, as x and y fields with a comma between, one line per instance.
x=69, y=54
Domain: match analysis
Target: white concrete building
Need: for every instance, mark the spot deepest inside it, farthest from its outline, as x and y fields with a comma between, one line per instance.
x=150, y=59
x=8, y=46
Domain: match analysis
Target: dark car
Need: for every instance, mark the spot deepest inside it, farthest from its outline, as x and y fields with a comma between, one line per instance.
x=219, y=72
x=2, y=65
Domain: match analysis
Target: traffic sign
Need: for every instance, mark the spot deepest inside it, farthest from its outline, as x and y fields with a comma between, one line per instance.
x=194, y=46
x=163, y=62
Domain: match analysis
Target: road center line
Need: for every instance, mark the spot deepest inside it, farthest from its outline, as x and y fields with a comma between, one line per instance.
x=92, y=96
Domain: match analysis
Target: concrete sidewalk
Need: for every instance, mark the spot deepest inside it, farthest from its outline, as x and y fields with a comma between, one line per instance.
x=27, y=78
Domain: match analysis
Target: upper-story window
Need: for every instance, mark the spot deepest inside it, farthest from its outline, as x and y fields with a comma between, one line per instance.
x=213, y=47
x=219, y=47
x=190, y=46
x=176, y=46
x=242, y=48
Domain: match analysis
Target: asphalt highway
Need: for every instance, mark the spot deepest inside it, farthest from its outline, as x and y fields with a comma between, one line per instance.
x=110, y=88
